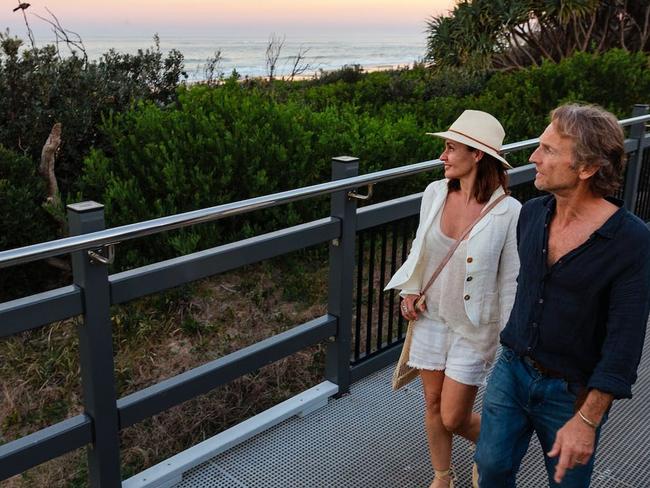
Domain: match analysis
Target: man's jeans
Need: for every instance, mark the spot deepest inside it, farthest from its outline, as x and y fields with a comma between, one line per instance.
x=517, y=401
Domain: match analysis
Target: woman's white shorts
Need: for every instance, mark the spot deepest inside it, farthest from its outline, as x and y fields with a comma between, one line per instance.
x=437, y=347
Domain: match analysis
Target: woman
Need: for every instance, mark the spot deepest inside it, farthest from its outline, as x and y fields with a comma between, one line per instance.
x=456, y=332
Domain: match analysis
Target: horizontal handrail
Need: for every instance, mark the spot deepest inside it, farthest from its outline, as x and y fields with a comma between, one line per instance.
x=41, y=446
x=140, y=229
x=634, y=120
x=162, y=224
x=173, y=391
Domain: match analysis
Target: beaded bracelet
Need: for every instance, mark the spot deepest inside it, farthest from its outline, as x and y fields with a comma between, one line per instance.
x=587, y=421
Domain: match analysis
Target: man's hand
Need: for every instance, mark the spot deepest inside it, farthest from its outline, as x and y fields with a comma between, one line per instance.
x=409, y=309
x=574, y=443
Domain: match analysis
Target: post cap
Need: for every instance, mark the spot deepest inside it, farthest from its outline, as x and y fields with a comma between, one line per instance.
x=346, y=159
x=83, y=207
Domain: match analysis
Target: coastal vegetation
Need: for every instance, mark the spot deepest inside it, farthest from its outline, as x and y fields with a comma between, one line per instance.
x=511, y=34
x=137, y=138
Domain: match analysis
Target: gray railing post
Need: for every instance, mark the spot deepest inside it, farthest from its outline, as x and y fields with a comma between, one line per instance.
x=96, y=351
x=341, y=272
x=634, y=164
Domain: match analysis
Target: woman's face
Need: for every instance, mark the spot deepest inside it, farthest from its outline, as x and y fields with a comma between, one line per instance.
x=460, y=161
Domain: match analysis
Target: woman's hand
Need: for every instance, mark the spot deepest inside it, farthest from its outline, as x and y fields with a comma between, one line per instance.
x=409, y=309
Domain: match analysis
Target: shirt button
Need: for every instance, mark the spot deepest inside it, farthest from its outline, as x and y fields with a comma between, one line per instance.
x=541, y=300
x=469, y=278
x=528, y=349
x=470, y=259
x=534, y=325
x=466, y=297
x=543, y=251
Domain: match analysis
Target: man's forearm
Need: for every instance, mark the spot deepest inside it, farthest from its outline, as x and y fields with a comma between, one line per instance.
x=595, y=406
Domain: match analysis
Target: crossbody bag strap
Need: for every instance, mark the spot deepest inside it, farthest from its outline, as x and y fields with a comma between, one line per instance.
x=455, y=245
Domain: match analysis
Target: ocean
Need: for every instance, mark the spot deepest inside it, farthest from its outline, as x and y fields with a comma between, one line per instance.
x=248, y=54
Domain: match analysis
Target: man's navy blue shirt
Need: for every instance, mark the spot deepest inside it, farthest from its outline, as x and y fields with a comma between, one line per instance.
x=585, y=316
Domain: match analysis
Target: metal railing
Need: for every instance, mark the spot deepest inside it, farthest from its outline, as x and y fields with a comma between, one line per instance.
x=361, y=324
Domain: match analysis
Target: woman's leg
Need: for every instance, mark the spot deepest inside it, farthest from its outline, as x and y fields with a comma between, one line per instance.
x=456, y=409
x=448, y=410
x=438, y=437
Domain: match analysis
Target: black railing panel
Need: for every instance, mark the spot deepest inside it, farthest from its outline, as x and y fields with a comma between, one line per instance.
x=381, y=250
x=642, y=208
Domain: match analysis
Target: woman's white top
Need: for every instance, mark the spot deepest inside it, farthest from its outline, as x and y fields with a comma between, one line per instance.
x=487, y=264
x=445, y=296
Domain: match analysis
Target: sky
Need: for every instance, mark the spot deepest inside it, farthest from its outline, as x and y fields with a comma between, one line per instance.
x=226, y=17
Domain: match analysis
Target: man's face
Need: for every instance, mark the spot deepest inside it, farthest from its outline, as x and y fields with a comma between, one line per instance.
x=553, y=161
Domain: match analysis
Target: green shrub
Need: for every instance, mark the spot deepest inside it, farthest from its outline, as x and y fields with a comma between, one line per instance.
x=40, y=88
x=223, y=143
x=24, y=220
x=22, y=192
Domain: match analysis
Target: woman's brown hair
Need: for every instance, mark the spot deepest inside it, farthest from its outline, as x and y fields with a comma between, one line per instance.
x=490, y=175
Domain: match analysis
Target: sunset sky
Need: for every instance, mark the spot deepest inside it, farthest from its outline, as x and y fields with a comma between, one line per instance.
x=138, y=17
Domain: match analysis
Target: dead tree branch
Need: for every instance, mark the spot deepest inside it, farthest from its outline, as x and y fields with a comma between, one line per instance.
x=299, y=65
x=64, y=35
x=46, y=168
x=22, y=6
x=273, y=50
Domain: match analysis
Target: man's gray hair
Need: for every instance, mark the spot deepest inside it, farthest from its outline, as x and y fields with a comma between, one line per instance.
x=598, y=141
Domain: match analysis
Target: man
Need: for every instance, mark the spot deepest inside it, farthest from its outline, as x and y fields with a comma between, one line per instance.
x=573, y=341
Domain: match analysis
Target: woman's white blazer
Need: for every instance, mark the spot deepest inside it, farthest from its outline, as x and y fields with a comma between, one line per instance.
x=492, y=263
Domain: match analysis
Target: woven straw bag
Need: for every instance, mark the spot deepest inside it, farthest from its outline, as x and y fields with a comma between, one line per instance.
x=403, y=373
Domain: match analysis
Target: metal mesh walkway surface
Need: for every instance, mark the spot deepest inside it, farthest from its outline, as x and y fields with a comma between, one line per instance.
x=374, y=437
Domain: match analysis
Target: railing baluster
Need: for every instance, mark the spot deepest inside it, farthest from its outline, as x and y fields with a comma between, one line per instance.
x=393, y=268
x=643, y=203
x=405, y=233
x=371, y=290
x=382, y=279
x=357, y=326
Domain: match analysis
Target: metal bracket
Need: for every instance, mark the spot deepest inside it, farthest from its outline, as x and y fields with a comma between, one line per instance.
x=352, y=194
x=97, y=258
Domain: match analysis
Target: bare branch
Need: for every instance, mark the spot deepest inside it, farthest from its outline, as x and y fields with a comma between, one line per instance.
x=64, y=34
x=23, y=7
x=213, y=70
x=299, y=65
x=273, y=50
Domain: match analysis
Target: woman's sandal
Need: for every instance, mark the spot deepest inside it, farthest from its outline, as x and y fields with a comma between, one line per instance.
x=475, y=476
x=446, y=475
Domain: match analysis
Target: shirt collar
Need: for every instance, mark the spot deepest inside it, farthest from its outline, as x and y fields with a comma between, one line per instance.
x=611, y=225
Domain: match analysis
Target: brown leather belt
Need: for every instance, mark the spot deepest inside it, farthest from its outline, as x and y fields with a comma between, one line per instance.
x=580, y=391
x=543, y=370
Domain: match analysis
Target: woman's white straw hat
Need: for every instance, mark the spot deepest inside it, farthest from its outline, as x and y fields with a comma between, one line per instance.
x=479, y=130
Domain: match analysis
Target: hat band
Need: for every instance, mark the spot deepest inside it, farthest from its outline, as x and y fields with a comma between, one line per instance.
x=475, y=140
